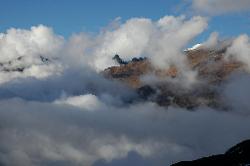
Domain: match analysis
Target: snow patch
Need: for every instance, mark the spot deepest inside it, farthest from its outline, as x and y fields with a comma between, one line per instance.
x=196, y=46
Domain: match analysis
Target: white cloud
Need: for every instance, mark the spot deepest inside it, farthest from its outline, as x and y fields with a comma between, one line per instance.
x=170, y=38
x=86, y=102
x=215, y=7
x=21, y=48
x=77, y=51
x=240, y=50
x=161, y=41
x=39, y=40
x=129, y=40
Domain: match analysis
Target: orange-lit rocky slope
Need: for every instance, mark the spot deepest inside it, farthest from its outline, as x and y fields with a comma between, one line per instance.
x=212, y=69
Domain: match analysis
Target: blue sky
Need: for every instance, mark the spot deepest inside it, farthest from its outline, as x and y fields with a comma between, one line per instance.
x=72, y=16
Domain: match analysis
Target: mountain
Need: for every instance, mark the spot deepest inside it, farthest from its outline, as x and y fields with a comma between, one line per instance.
x=210, y=64
x=239, y=155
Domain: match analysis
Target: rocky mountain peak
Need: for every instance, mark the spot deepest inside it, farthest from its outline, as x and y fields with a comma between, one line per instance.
x=210, y=64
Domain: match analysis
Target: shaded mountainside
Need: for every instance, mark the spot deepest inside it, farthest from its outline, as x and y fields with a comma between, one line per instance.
x=239, y=155
x=211, y=66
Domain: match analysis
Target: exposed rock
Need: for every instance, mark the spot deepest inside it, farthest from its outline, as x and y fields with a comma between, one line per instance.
x=129, y=73
x=119, y=60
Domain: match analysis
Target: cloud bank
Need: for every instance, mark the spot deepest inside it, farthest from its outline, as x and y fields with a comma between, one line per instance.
x=34, y=133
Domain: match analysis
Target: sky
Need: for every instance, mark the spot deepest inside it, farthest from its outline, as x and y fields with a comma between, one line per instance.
x=67, y=17
x=74, y=16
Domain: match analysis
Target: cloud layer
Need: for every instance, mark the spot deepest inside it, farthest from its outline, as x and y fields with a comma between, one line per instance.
x=34, y=133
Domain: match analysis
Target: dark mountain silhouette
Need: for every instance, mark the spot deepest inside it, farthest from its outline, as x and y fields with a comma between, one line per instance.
x=239, y=155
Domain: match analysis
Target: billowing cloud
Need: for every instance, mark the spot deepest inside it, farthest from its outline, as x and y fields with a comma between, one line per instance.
x=162, y=41
x=129, y=40
x=28, y=50
x=214, y=7
x=39, y=40
x=240, y=50
x=167, y=44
